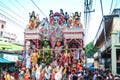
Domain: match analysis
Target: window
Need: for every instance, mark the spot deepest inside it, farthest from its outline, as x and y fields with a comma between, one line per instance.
x=5, y=41
x=119, y=36
x=3, y=48
x=118, y=60
x=2, y=26
x=1, y=33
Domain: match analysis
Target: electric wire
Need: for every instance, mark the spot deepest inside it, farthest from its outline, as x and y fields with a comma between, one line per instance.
x=94, y=5
x=38, y=8
x=11, y=16
x=12, y=20
x=11, y=10
x=86, y=18
x=16, y=7
x=103, y=20
x=87, y=10
x=111, y=6
x=21, y=5
x=116, y=4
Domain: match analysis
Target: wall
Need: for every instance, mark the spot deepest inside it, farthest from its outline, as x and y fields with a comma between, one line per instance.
x=115, y=43
x=2, y=27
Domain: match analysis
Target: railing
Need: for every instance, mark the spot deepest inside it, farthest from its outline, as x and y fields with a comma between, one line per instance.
x=98, y=32
x=32, y=31
x=51, y=50
x=77, y=49
x=108, y=43
x=61, y=49
x=73, y=30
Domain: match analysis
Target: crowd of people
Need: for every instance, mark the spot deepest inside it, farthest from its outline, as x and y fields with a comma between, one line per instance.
x=64, y=64
x=55, y=70
x=59, y=68
x=48, y=72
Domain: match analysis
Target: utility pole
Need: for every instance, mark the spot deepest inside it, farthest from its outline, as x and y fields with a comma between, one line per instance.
x=87, y=11
x=103, y=22
x=88, y=6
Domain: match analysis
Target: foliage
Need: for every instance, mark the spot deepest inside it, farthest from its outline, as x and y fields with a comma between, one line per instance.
x=45, y=56
x=90, y=49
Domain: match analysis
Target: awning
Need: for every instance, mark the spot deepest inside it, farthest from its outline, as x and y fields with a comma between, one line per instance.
x=2, y=60
x=5, y=45
x=10, y=46
x=16, y=47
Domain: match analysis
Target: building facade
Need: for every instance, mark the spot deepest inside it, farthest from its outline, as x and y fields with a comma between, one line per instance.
x=2, y=27
x=7, y=39
x=108, y=41
x=6, y=35
x=8, y=60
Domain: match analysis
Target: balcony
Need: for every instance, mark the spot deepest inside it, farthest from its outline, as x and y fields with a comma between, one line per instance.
x=106, y=45
x=98, y=33
x=73, y=30
x=74, y=33
x=32, y=34
x=107, y=23
x=32, y=31
x=116, y=12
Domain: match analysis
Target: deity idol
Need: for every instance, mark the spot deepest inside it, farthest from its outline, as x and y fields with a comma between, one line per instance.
x=61, y=17
x=76, y=20
x=58, y=49
x=34, y=57
x=51, y=17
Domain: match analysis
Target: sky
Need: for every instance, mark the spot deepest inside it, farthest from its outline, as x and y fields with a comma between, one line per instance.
x=18, y=11
x=96, y=17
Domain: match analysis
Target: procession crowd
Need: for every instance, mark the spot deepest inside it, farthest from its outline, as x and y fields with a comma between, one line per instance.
x=63, y=67
x=49, y=73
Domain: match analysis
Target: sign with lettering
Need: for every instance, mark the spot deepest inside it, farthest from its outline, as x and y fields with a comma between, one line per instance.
x=12, y=58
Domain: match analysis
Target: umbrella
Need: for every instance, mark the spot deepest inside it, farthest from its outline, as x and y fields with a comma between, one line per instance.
x=56, y=14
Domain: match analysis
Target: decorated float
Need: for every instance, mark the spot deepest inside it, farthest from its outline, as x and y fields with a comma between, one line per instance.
x=60, y=33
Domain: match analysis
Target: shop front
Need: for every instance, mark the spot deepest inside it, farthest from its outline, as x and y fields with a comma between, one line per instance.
x=8, y=60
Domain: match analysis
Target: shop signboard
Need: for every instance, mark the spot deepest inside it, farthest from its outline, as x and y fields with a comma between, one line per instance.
x=12, y=58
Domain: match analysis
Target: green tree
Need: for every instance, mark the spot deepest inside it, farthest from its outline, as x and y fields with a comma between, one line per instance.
x=90, y=49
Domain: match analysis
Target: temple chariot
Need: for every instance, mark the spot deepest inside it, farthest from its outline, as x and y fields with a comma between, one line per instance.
x=60, y=34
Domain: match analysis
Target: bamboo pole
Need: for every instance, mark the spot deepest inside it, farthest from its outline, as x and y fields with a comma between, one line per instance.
x=51, y=50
